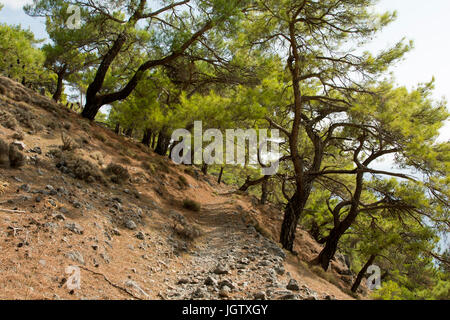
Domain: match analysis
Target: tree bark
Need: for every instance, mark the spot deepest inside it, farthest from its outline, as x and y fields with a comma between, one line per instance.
x=117, y=129
x=205, y=169
x=249, y=183
x=328, y=252
x=154, y=141
x=129, y=132
x=59, y=85
x=93, y=102
x=264, y=191
x=361, y=273
x=147, y=137
x=219, y=180
x=163, y=143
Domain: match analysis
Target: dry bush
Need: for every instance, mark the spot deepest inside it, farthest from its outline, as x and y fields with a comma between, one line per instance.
x=80, y=168
x=4, y=154
x=19, y=135
x=97, y=156
x=117, y=173
x=26, y=118
x=68, y=143
x=192, y=205
x=16, y=158
x=182, y=181
x=148, y=166
x=188, y=232
x=99, y=136
x=8, y=120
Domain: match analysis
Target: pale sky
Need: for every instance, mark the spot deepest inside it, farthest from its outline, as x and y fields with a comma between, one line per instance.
x=425, y=22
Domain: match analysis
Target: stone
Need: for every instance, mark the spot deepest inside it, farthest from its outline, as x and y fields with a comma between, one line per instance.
x=293, y=285
x=280, y=270
x=220, y=269
x=20, y=145
x=59, y=216
x=75, y=256
x=130, y=224
x=75, y=228
x=210, y=281
x=260, y=296
x=140, y=235
x=25, y=187
x=226, y=283
x=183, y=281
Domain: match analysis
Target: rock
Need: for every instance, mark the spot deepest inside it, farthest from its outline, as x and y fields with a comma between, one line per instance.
x=198, y=294
x=75, y=256
x=59, y=216
x=19, y=145
x=226, y=283
x=42, y=262
x=224, y=292
x=77, y=205
x=260, y=296
x=210, y=281
x=74, y=227
x=135, y=286
x=25, y=187
x=37, y=150
x=264, y=263
x=140, y=235
x=221, y=269
x=293, y=285
x=183, y=281
x=280, y=270
x=130, y=224
x=115, y=232
x=105, y=257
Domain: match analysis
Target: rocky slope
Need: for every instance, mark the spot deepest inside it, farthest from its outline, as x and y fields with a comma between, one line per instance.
x=108, y=206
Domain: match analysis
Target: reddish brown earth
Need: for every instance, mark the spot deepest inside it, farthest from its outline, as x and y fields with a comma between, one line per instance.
x=169, y=254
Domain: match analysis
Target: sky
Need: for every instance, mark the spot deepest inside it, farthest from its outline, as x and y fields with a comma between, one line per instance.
x=424, y=22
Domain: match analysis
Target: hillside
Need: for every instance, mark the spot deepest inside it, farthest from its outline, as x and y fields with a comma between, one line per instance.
x=128, y=230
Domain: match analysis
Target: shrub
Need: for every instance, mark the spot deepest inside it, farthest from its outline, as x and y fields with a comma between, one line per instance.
x=118, y=173
x=182, y=181
x=4, y=154
x=81, y=169
x=68, y=143
x=16, y=158
x=192, y=205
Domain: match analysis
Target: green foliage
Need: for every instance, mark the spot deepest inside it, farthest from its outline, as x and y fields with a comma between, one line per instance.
x=21, y=59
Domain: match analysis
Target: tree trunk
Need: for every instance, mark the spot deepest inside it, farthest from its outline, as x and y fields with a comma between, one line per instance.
x=59, y=85
x=154, y=141
x=205, y=169
x=219, y=180
x=147, y=137
x=129, y=132
x=292, y=213
x=93, y=103
x=328, y=252
x=361, y=273
x=249, y=183
x=163, y=143
x=264, y=191
x=117, y=129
